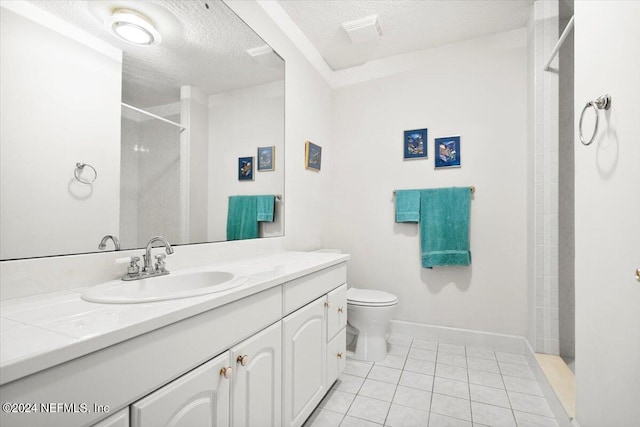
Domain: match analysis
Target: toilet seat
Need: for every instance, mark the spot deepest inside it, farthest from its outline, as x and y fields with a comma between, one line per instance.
x=370, y=298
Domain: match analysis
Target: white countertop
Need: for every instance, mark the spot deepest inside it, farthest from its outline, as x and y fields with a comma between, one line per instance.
x=45, y=330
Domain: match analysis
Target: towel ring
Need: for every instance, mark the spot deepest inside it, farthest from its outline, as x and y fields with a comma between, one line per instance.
x=78, y=170
x=602, y=103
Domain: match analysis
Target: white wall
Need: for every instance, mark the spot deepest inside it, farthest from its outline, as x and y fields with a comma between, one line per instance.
x=45, y=130
x=304, y=199
x=230, y=138
x=476, y=89
x=607, y=212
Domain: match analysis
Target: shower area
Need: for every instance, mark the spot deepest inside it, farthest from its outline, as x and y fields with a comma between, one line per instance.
x=552, y=132
x=551, y=129
x=150, y=174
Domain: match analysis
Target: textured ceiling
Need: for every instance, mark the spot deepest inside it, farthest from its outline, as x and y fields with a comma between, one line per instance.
x=408, y=25
x=202, y=47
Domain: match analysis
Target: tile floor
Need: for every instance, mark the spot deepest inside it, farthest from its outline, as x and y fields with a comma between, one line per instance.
x=423, y=383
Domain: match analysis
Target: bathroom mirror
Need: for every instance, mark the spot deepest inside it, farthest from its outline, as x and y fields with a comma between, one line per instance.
x=102, y=136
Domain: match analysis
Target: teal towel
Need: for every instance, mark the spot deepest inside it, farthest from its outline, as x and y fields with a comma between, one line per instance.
x=242, y=218
x=265, y=205
x=444, y=226
x=407, y=205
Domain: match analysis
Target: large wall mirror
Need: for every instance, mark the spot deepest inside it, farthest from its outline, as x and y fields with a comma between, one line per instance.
x=134, y=138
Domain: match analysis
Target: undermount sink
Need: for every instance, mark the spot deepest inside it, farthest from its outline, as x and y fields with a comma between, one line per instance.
x=172, y=286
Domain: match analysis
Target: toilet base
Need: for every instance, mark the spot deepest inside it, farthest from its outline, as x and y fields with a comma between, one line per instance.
x=370, y=348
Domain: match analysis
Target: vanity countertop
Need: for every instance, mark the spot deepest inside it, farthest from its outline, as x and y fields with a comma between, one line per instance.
x=42, y=331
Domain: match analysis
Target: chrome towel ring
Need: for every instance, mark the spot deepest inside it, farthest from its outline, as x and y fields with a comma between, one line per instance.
x=602, y=103
x=78, y=170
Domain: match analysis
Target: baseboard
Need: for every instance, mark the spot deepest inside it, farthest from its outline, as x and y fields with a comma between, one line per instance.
x=467, y=337
x=492, y=341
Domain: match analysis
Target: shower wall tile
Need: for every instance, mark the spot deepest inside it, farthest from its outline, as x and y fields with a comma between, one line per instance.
x=546, y=291
x=544, y=34
x=547, y=322
x=540, y=291
x=553, y=292
x=540, y=322
x=554, y=324
x=539, y=226
x=551, y=346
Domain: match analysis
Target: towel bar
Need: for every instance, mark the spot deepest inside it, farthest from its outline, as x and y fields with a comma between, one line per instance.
x=471, y=188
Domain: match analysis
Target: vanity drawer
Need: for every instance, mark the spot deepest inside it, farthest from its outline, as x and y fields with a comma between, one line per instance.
x=300, y=292
x=336, y=311
x=336, y=356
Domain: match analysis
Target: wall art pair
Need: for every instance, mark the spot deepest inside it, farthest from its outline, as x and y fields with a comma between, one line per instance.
x=447, y=149
x=266, y=162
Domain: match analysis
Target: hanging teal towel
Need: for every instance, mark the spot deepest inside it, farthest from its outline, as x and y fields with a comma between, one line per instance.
x=265, y=205
x=242, y=218
x=407, y=205
x=444, y=226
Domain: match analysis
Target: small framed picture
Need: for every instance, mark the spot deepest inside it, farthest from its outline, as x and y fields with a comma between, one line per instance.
x=266, y=158
x=415, y=144
x=312, y=156
x=245, y=168
x=447, y=152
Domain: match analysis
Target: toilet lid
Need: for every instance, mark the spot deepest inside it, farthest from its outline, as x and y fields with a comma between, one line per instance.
x=370, y=297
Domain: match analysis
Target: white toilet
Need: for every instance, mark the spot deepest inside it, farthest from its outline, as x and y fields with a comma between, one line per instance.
x=368, y=313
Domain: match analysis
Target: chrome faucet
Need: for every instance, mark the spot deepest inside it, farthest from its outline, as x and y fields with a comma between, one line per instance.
x=160, y=258
x=134, y=272
x=103, y=243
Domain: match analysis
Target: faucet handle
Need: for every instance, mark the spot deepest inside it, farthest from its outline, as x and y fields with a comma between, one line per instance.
x=133, y=268
x=160, y=265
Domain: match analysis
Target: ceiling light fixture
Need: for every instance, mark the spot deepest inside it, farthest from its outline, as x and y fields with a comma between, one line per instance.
x=132, y=27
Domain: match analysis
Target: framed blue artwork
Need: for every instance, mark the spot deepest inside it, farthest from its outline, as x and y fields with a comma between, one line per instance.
x=312, y=156
x=245, y=168
x=266, y=158
x=447, y=152
x=415, y=144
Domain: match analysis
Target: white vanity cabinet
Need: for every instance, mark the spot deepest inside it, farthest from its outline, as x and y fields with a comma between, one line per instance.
x=119, y=419
x=336, y=333
x=265, y=358
x=304, y=361
x=256, y=384
x=240, y=388
x=314, y=348
x=198, y=398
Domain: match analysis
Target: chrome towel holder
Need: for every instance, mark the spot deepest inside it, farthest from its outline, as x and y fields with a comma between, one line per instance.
x=602, y=103
x=78, y=170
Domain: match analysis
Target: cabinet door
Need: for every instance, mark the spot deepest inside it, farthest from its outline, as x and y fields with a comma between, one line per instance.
x=304, y=334
x=336, y=311
x=336, y=356
x=119, y=419
x=198, y=398
x=257, y=380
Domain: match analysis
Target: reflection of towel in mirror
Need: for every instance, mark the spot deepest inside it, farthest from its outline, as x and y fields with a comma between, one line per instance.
x=444, y=226
x=265, y=205
x=244, y=213
x=407, y=205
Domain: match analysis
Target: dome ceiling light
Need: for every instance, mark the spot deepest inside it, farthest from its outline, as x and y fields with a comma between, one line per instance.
x=132, y=27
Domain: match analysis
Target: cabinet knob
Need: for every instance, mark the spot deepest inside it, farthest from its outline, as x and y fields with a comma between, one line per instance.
x=638, y=274
x=242, y=360
x=326, y=304
x=341, y=310
x=226, y=372
x=339, y=355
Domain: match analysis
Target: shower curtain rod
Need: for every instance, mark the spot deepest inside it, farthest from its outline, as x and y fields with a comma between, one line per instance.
x=563, y=37
x=131, y=107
